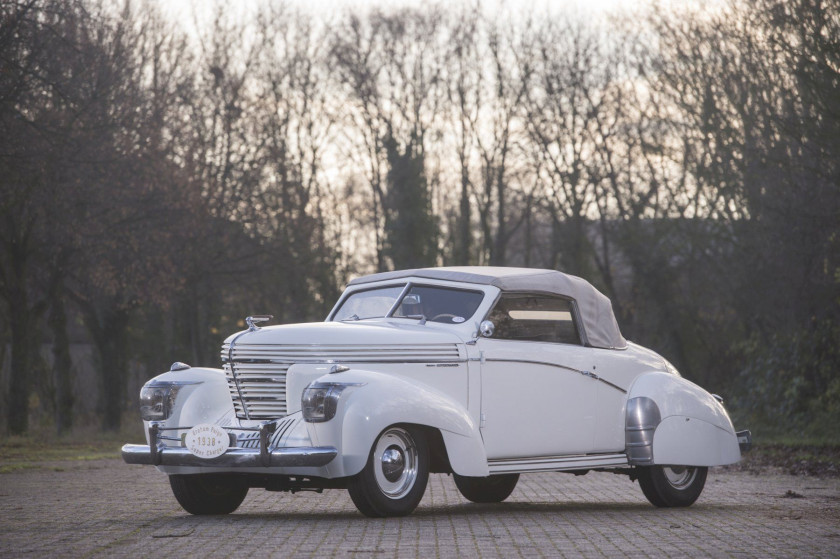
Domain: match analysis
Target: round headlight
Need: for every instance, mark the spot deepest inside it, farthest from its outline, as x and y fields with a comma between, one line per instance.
x=157, y=399
x=319, y=401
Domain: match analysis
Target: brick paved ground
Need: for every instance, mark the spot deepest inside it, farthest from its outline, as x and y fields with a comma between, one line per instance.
x=107, y=508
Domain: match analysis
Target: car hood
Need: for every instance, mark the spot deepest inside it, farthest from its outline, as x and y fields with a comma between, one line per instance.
x=389, y=333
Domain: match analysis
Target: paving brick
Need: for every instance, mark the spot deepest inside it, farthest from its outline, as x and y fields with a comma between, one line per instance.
x=107, y=508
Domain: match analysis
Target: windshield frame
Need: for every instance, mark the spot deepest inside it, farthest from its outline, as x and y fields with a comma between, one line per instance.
x=406, y=288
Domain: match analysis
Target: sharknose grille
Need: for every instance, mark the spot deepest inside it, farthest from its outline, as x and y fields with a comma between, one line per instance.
x=261, y=369
x=262, y=387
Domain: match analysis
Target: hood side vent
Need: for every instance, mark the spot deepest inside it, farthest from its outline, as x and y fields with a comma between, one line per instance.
x=391, y=353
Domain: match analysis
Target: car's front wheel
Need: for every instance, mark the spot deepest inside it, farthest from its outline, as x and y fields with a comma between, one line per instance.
x=394, y=479
x=208, y=493
x=492, y=489
x=672, y=486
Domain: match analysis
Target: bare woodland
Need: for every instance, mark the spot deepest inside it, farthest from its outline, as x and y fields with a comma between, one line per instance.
x=156, y=186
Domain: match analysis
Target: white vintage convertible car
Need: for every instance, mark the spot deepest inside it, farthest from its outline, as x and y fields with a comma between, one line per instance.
x=483, y=373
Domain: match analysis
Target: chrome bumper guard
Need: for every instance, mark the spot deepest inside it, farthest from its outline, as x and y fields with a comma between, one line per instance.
x=744, y=440
x=158, y=454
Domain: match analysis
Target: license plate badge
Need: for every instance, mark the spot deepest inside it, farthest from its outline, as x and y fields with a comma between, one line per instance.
x=207, y=440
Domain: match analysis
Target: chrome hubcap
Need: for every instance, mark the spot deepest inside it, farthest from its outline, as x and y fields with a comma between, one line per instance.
x=393, y=463
x=395, y=457
x=679, y=477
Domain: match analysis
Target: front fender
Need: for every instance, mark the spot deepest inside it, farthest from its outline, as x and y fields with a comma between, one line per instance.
x=685, y=425
x=205, y=400
x=386, y=400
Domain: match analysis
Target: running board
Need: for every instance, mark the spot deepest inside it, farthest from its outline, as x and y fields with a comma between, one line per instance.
x=557, y=463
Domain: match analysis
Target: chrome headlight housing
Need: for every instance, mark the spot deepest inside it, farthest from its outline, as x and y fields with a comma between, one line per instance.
x=157, y=399
x=319, y=401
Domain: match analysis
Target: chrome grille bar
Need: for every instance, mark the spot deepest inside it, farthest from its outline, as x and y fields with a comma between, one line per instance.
x=231, y=374
x=258, y=390
x=336, y=353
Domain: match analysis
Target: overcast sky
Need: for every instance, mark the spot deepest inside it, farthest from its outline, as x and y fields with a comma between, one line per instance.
x=183, y=10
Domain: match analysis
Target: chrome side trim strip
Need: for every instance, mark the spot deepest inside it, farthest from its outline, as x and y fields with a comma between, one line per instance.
x=289, y=457
x=349, y=347
x=589, y=374
x=535, y=362
x=338, y=361
x=557, y=463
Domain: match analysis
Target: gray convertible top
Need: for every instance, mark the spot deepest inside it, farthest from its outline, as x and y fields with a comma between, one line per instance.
x=595, y=308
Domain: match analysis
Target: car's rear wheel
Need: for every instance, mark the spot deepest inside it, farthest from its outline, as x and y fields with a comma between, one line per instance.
x=394, y=479
x=208, y=493
x=672, y=486
x=492, y=489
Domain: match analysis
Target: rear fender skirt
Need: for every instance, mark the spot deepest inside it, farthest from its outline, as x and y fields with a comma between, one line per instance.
x=692, y=427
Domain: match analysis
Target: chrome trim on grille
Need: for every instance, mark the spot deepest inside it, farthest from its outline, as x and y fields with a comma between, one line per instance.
x=256, y=373
x=258, y=390
x=233, y=372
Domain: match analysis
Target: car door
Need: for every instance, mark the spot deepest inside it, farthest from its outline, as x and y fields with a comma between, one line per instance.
x=534, y=399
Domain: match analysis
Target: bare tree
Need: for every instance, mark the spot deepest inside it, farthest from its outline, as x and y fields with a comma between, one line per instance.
x=390, y=69
x=754, y=89
x=296, y=125
x=35, y=138
x=563, y=106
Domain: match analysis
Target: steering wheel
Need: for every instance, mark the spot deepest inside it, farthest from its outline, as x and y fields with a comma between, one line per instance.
x=442, y=315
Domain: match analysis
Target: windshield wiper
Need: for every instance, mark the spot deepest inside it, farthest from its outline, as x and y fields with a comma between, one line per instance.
x=421, y=317
x=356, y=318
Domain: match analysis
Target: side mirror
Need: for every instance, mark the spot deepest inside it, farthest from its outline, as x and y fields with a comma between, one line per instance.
x=411, y=300
x=486, y=328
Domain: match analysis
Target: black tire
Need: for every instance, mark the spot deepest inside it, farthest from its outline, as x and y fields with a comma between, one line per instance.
x=394, y=479
x=208, y=493
x=493, y=489
x=672, y=486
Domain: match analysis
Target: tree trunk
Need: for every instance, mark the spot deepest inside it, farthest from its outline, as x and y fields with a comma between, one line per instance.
x=499, y=257
x=114, y=365
x=24, y=356
x=109, y=329
x=62, y=363
x=26, y=340
x=463, y=241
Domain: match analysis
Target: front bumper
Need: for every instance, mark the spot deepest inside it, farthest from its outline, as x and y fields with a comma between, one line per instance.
x=235, y=457
x=158, y=454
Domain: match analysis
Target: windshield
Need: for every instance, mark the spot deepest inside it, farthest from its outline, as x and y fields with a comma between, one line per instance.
x=372, y=303
x=432, y=303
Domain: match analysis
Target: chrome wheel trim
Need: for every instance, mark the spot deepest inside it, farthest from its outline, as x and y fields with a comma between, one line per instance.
x=395, y=461
x=679, y=477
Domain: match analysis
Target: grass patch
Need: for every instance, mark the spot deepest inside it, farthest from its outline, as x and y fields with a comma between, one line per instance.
x=813, y=458
x=38, y=449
